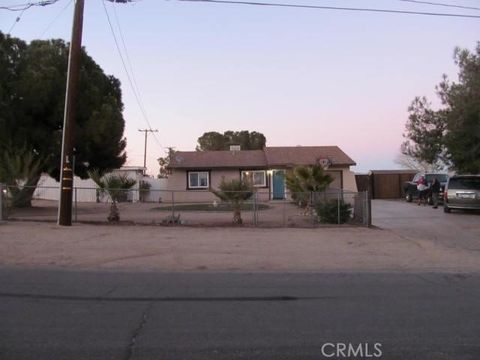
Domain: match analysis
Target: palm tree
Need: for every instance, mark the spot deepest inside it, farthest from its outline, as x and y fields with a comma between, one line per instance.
x=304, y=180
x=20, y=170
x=115, y=186
x=235, y=192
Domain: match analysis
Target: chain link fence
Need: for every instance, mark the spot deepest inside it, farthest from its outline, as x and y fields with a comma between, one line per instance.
x=198, y=208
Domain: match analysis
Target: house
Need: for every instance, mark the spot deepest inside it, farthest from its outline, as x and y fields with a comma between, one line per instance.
x=85, y=190
x=193, y=173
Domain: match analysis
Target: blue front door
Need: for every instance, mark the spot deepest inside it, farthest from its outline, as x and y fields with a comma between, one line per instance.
x=278, y=183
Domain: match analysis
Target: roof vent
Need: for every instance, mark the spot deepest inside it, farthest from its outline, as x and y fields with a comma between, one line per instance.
x=234, y=147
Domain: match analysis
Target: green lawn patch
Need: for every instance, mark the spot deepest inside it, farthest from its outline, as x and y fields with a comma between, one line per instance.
x=208, y=207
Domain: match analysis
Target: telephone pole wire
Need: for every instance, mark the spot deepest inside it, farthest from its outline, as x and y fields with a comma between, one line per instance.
x=146, y=131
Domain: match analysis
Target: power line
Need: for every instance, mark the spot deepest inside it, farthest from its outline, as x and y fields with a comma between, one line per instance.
x=129, y=62
x=125, y=50
x=441, y=4
x=137, y=98
x=56, y=18
x=317, y=7
x=17, y=19
x=23, y=7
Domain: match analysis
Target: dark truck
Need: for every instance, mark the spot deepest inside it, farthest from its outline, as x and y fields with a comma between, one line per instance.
x=410, y=187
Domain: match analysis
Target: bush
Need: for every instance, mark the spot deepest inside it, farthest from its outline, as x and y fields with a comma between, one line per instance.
x=328, y=212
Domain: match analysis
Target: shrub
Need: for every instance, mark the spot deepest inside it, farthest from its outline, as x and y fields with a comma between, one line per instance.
x=328, y=212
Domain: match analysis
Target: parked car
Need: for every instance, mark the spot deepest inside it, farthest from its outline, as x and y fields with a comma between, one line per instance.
x=462, y=192
x=410, y=187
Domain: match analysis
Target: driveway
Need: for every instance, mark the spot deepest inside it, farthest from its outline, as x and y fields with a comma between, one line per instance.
x=457, y=230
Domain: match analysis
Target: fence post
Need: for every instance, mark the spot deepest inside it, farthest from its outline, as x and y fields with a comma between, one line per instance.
x=255, y=209
x=173, y=205
x=285, y=211
x=76, y=205
x=1, y=202
x=338, y=207
x=312, y=216
x=368, y=208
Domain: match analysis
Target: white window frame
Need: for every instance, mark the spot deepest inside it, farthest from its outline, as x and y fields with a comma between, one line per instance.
x=251, y=172
x=198, y=177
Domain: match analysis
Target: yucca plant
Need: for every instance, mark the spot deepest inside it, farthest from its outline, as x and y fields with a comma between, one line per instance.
x=235, y=192
x=115, y=186
x=305, y=180
x=20, y=170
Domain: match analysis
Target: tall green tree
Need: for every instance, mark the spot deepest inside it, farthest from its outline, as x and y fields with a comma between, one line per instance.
x=212, y=141
x=32, y=97
x=450, y=134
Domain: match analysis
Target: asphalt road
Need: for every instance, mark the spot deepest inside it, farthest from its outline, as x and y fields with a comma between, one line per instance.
x=67, y=314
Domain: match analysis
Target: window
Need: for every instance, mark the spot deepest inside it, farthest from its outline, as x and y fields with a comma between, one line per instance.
x=256, y=177
x=198, y=180
x=465, y=183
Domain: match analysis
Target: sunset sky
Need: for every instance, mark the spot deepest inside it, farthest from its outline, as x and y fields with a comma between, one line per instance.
x=299, y=76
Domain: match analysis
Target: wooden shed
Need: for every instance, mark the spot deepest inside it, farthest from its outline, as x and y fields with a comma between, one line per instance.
x=384, y=184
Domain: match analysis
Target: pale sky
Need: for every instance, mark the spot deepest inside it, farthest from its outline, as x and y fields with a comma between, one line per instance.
x=299, y=76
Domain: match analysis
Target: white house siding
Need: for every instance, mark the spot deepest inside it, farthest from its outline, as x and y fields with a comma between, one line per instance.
x=86, y=190
x=157, y=189
x=49, y=189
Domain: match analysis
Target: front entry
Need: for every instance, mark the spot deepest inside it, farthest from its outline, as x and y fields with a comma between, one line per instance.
x=278, y=182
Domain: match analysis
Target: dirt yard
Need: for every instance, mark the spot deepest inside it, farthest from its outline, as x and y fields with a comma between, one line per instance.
x=407, y=238
x=278, y=214
x=225, y=249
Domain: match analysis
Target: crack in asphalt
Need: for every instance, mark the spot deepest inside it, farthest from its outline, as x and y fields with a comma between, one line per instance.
x=137, y=332
x=162, y=299
x=111, y=291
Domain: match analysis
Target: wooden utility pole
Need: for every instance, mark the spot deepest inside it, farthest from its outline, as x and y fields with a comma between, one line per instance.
x=66, y=170
x=146, y=131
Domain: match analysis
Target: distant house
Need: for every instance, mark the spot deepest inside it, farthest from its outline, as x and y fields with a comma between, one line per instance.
x=86, y=189
x=193, y=173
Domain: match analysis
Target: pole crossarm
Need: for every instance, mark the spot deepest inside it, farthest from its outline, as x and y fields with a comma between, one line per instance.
x=146, y=131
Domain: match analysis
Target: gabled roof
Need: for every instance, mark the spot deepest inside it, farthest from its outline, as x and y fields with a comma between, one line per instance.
x=284, y=156
x=305, y=155
x=218, y=159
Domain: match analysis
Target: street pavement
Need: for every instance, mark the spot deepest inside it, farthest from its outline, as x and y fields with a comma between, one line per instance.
x=81, y=314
